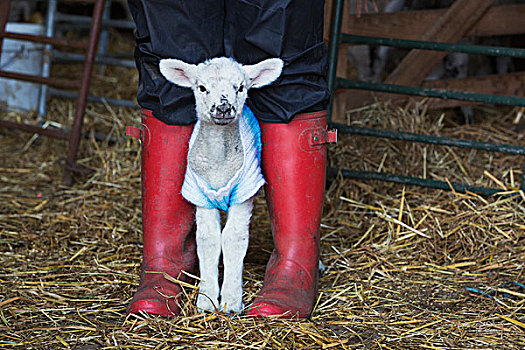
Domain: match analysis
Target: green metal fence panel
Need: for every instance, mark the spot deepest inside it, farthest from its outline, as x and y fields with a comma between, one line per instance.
x=435, y=140
x=417, y=181
x=430, y=92
x=334, y=83
x=435, y=46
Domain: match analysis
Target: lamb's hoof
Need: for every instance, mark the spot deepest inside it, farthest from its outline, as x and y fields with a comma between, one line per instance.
x=205, y=303
x=233, y=308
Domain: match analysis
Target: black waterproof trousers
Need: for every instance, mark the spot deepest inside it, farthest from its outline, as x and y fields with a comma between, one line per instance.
x=248, y=31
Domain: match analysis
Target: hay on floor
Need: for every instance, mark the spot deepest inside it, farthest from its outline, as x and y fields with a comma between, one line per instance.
x=407, y=267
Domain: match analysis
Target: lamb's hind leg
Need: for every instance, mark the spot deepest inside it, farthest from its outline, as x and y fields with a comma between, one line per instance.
x=235, y=238
x=209, y=251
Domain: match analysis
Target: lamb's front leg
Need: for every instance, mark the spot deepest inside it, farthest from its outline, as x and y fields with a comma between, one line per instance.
x=234, y=245
x=208, y=251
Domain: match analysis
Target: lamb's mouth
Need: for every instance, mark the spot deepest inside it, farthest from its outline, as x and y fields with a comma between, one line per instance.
x=222, y=119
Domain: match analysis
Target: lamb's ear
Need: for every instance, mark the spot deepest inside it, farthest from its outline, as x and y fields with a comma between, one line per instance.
x=178, y=72
x=263, y=73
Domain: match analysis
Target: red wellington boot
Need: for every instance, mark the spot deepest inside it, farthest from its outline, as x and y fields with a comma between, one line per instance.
x=294, y=165
x=169, y=240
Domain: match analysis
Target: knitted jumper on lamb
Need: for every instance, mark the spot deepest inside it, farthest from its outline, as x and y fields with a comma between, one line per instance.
x=246, y=181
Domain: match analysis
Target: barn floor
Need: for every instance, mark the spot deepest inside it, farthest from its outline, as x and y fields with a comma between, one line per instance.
x=407, y=268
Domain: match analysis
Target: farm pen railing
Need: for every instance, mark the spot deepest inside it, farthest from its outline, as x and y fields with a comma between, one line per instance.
x=336, y=38
x=49, y=84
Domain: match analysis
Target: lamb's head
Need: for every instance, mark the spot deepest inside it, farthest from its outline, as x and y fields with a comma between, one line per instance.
x=220, y=85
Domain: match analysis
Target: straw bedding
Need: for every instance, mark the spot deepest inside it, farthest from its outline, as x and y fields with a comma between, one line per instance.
x=400, y=260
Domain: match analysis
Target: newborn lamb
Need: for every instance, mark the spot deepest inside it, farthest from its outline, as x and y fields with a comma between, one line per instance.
x=223, y=171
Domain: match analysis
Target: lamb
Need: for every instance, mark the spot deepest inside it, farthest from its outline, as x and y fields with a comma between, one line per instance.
x=223, y=171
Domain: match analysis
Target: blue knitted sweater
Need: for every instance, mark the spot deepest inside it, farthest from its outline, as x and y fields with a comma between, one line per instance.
x=246, y=181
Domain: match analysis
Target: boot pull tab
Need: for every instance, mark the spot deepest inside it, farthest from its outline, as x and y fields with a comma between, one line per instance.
x=132, y=131
x=142, y=134
x=313, y=139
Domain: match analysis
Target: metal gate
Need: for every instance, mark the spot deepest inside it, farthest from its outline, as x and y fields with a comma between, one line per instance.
x=336, y=38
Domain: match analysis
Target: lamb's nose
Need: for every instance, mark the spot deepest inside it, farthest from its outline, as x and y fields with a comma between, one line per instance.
x=224, y=108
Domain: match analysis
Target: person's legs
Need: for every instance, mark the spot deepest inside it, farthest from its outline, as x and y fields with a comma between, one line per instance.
x=291, y=115
x=185, y=29
x=191, y=31
x=294, y=166
x=292, y=30
x=167, y=218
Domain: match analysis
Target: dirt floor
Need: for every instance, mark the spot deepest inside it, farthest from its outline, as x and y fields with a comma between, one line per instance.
x=407, y=267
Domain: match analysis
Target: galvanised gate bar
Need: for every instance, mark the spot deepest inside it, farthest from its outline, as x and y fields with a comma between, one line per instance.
x=335, y=83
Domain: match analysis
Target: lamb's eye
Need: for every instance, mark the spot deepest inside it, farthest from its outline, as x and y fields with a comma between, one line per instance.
x=202, y=88
x=241, y=88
